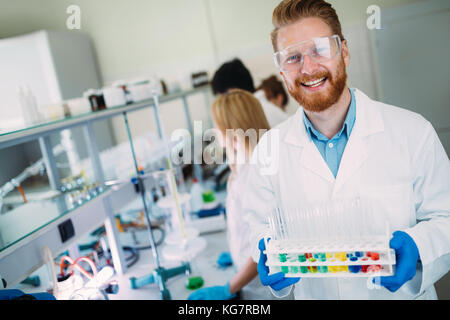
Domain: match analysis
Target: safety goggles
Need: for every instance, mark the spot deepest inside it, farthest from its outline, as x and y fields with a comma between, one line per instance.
x=320, y=50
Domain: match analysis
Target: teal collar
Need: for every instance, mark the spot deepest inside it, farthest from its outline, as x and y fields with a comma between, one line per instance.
x=347, y=127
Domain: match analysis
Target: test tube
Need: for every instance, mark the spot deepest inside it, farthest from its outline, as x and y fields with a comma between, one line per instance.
x=375, y=256
x=294, y=269
x=307, y=226
x=323, y=269
x=328, y=225
x=343, y=268
x=272, y=224
x=339, y=223
x=351, y=216
x=280, y=224
x=322, y=257
x=333, y=269
x=353, y=268
x=374, y=268
x=341, y=256
x=286, y=224
x=316, y=225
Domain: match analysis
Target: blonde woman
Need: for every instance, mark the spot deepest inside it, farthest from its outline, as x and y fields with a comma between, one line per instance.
x=239, y=117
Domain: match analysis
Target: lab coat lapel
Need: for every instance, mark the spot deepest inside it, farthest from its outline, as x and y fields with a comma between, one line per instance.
x=368, y=122
x=310, y=158
x=355, y=154
x=313, y=160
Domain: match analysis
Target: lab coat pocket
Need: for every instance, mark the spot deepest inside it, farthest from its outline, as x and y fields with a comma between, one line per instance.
x=390, y=203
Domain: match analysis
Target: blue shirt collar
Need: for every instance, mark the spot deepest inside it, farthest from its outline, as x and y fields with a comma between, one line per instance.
x=347, y=126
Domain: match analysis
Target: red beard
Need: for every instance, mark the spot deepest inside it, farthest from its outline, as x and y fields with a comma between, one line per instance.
x=320, y=101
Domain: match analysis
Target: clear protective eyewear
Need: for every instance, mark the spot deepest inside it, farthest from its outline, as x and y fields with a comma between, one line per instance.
x=320, y=50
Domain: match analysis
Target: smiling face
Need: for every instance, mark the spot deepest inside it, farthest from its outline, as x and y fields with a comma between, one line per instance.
x=315, y=86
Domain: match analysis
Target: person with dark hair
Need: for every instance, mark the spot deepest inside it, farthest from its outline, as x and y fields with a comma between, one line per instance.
x=235, y=75
x=274, y=91
x=273, y=98
x=232, y=75
x=237, y=110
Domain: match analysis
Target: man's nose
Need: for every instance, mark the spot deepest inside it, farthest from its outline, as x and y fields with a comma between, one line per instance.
x=309, y=66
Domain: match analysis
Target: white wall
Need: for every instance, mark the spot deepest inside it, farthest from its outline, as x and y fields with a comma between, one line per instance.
x=173, y=38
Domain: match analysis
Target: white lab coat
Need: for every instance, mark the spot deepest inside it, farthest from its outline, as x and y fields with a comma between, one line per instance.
x=394, y=156
x=238, y=234
x=274, y=114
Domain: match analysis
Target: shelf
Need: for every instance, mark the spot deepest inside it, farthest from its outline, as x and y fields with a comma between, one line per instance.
x=29, y=218
x=32, y=132
x=26, y=230
x=24, y=255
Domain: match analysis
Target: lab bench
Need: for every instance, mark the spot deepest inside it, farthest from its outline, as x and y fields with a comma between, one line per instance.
x=203, y=265
x=26, y=230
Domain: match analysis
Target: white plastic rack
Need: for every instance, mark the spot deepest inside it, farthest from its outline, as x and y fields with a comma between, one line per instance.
x=352, y=259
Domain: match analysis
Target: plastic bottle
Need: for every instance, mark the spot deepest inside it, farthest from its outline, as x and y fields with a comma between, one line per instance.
x=196, y=196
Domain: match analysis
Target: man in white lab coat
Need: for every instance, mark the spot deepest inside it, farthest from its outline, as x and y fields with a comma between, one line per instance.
x=343, y=145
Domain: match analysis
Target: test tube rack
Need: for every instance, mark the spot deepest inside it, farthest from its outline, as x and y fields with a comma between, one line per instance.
x=352, y=258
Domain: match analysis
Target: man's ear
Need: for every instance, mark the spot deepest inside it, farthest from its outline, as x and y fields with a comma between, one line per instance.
x=345, y=53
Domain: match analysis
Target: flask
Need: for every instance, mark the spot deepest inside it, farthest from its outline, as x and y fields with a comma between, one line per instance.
x=196, y=196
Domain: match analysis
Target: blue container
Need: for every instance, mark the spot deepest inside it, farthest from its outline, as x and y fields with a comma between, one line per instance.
x=354, y=269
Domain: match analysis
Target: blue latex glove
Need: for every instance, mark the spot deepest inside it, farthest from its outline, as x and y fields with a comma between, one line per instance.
x=10, y=294
x=276, y=281
x=224, y=260
x=407, y=256
x=213, y=293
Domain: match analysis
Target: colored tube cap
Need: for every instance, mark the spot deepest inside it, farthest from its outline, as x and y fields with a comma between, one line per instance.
x=354, y=269
x=333, y=269
x=208, y=197
x=375, y=256
x=343, y=268
x=376, y=268
x=194, y=283
x=323, y=269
